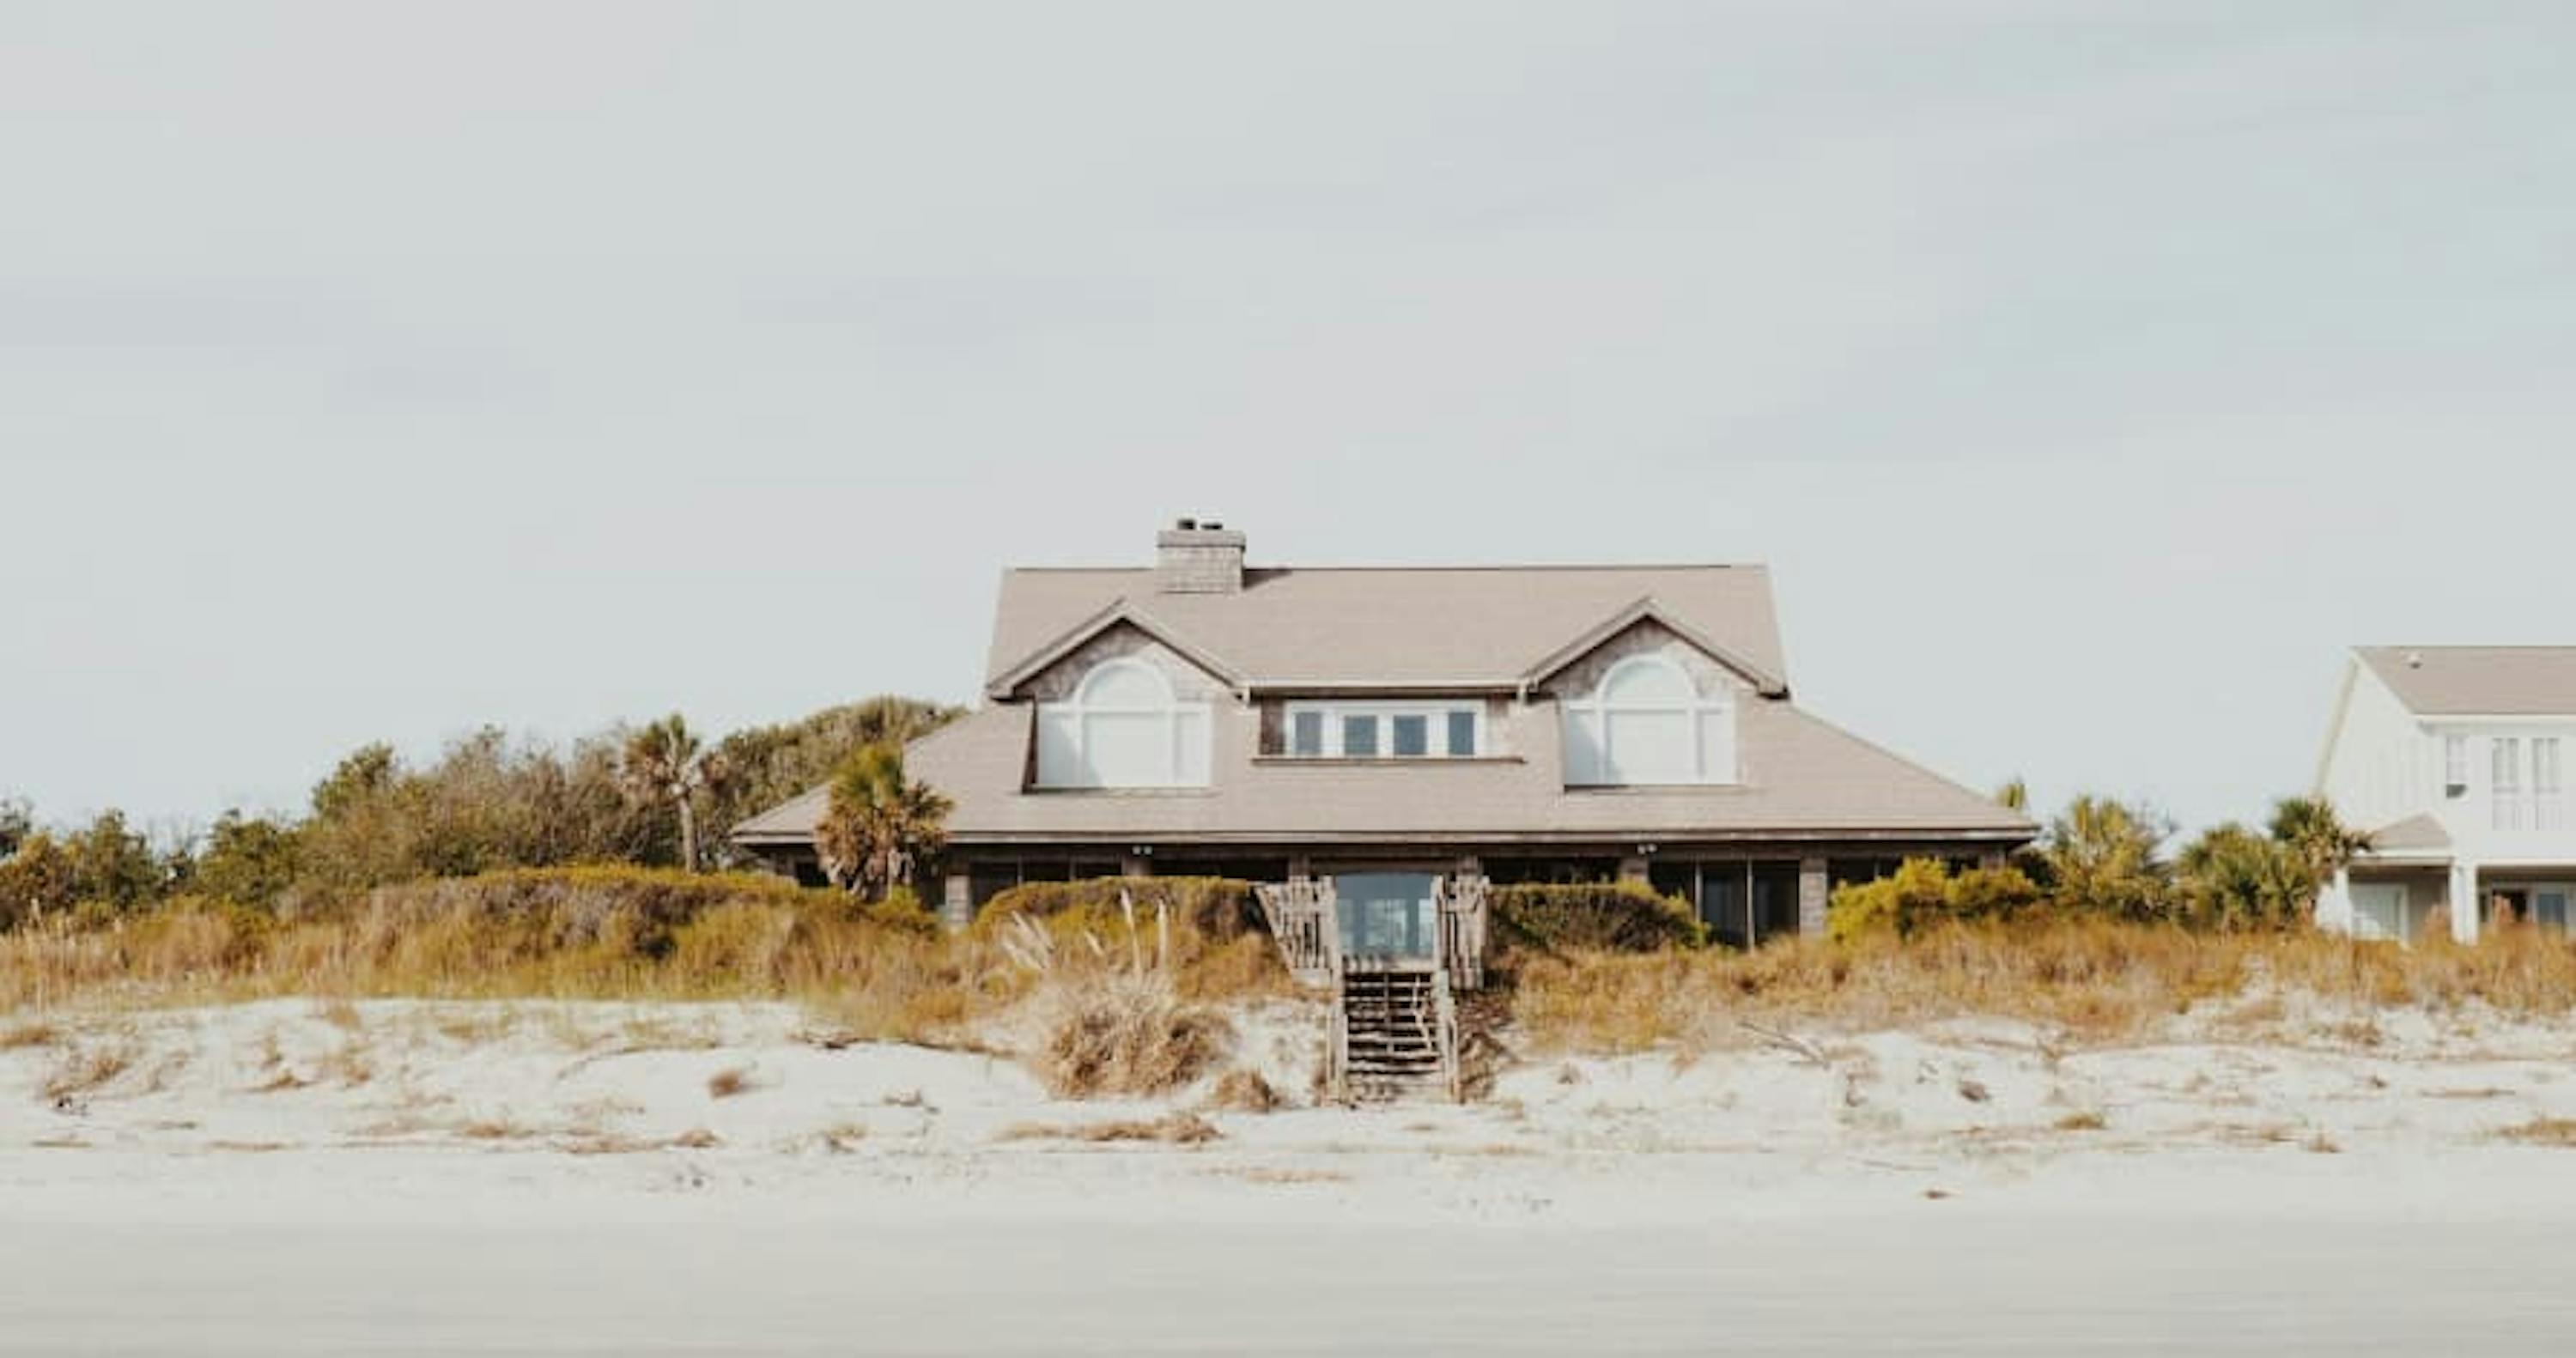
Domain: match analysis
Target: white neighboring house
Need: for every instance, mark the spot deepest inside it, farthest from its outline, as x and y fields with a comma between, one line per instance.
x=2454, y=760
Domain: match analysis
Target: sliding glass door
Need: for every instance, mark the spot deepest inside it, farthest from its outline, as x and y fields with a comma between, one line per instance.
x=1385, y=914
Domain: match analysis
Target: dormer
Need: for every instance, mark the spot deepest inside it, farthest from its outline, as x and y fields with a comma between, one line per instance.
x=1643, y=702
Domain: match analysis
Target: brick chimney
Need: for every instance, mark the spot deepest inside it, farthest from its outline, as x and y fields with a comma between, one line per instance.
x=1198, y=556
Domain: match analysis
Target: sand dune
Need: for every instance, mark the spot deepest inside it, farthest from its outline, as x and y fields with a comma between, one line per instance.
x=446, y=1141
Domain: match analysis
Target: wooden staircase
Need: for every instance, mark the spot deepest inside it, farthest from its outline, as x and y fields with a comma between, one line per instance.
x=1394, y=1019
x=1397, y=1032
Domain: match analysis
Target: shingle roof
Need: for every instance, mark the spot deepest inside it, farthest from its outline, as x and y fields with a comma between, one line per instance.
x=1367, y=627
x=2497, y=681
x=1801, y=777
x=2415, y=834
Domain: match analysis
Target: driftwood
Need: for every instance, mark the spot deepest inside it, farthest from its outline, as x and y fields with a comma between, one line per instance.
x=1788, y=1042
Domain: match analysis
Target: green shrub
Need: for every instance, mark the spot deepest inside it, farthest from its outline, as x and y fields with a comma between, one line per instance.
x=247, y=861
x=1216, y=909
x=1924, y=892
x=1593, y=917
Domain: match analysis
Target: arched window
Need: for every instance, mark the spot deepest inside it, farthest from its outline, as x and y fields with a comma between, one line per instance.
x=1123, y=728
x=1646, y=724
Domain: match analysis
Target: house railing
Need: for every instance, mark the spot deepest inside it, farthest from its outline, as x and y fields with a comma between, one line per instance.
x=1304, y=916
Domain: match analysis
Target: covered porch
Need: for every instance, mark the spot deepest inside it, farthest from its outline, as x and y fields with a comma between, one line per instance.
x=2405, y=901
x=1746, y=890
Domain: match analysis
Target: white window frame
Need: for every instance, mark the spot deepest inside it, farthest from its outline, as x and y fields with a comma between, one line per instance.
x=2548, y=784
x=1324, y=729
x=2504, y=792
x=1182, y=722
x=2364, y=927
x=2566, y=895
x=1592, y=711
x=1435, y=715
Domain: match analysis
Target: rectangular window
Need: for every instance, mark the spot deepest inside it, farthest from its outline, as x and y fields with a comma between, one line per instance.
x=2505, y=768
x=2379, y=911
x=1378, y=729
x=1306, y=734
x=2455, y=766
x=2549, y=908
x=2548, y=791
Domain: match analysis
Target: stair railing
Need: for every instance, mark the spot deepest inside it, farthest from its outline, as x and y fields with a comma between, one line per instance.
x=1445, y=1019
x=1337, y=1043
x=1463, y=924
x=1304, y=916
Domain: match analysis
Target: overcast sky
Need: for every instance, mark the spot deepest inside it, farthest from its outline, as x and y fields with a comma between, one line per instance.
x=2090, y=375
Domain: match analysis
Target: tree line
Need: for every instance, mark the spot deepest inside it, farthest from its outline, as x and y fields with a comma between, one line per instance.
x=657, y=795
x=660, y=795
x=2108, y=858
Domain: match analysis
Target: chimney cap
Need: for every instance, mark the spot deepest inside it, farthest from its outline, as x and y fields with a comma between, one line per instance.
x=1198, y=556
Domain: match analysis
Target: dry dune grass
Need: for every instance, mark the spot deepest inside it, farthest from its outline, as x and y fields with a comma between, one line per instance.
x=1124, y=996
x=21, y=1035
x=1121, y=1005
x=2093, y=981
x=2543, y=1131
x=86, y=1070
x=1123, y=1034
x=1173, y=1129
x=568, y=933
x=604, y=933
x=1113, y=1014
x=1242, y=1090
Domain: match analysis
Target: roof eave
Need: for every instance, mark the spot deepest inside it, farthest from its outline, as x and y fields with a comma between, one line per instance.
x=1647, y=609
x=1671, y=835
x=1002, y=686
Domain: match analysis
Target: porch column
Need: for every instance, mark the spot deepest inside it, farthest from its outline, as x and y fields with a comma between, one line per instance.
x=957, y=900
x=1814, y=889
x=1633, y=868
x=2464, y=902
x=2334, y=903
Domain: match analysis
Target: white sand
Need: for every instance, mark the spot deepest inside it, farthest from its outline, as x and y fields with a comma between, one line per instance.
x=570, y=1157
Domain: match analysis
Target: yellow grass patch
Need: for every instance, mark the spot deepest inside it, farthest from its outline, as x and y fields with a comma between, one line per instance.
x=24, y=1035
x=1178, y=1129
x=2088, y=981
x=2542, y=1131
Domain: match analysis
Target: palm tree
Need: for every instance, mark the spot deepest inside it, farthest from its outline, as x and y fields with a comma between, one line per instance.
x=17, y=821
x=2310, y=827
x=2234, y=878
x=665, y=761
x=878, y=825
x=2101, y=855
